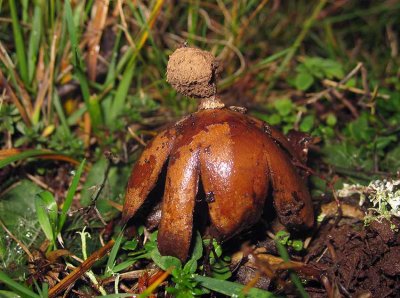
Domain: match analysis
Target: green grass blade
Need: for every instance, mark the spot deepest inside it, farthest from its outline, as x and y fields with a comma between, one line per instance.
x=34, y=41
x=115, y=296
x=111, y=74
x=72, y=33
x=70, y=195
x=16, y=286
x=297, y=43
x=293, y=276
x=25, y=6
x=122, y=92
x=47, y=211
x=230, y=288
x=91, y=103
x=113, y=255
x=193, y=15
x=9, y=294
x=19, y=43
x=60, y=113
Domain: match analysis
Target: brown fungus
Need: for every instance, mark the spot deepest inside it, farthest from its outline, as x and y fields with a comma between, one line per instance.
x=237, y=159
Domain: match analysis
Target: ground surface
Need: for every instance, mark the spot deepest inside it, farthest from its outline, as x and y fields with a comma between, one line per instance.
x=86, y=80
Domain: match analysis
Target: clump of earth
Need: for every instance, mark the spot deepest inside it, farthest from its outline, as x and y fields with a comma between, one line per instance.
x=192, y=72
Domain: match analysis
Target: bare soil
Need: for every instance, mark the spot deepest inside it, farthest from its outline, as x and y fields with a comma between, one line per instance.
x=344, y=259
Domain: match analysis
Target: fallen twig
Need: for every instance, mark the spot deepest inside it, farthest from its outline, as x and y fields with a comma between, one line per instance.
x=338, y=85
x=81, y=269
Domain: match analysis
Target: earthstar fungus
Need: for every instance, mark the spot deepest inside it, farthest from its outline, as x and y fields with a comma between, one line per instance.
x=238, y=159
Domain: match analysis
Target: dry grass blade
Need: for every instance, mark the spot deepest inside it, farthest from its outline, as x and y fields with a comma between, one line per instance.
x=24, y=248
x=14, y=99
x=315, y=97
x=124, y=25
x=81, y=269
x=5, y=58
x=247, y=21
x=153, y=16
x=160, y=278
x=56, y=35
x=94, y=33
x=39, y=153
x=40, y=97
x=330, y=83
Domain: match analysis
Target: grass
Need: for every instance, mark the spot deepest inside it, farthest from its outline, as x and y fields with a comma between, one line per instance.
x=82, y=79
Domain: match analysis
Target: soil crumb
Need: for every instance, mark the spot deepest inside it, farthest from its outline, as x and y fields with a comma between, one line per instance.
x=359, y=261
x=192, y=72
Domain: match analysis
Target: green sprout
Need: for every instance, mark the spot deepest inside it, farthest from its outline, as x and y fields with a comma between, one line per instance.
x=284, y=238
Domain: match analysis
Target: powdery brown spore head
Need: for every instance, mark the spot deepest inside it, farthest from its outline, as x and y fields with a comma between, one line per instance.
x=192, y=72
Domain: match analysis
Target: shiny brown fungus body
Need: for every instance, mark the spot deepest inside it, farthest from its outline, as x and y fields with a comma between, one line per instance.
x=237, y=158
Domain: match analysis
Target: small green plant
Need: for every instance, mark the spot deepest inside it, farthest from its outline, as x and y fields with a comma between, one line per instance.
x=284, y=238
x=285, y=113
x=312, y=68
x=218, y=262
x=285, y=256
x=186, y=278
x=47, y=210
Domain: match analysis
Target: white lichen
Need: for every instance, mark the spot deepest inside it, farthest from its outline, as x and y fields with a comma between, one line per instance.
x=384, y=195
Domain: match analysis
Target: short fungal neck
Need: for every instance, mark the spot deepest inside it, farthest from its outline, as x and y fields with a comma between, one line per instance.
x=211, y=103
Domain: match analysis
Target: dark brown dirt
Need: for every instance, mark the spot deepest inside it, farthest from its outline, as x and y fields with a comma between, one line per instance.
x=343, y=260
x=356, y=260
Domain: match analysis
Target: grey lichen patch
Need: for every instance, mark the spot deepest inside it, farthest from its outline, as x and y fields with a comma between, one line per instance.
x=192, y=72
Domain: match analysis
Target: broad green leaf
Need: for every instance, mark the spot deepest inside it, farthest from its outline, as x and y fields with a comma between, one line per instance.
x=307, y=123
x=359, y=130
x=130, y=245
x=165, y=262
x=16, y=286
x=198, y=248
x=230, y=288
x=191, y=265
x=331, y=120
x=333, y=69
x=284, y=106
x=113, y=189
x=383, y=142
x=303, y=81
x=391, y=162
x=283, y=237
x=274, y=119
x=17, y=212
